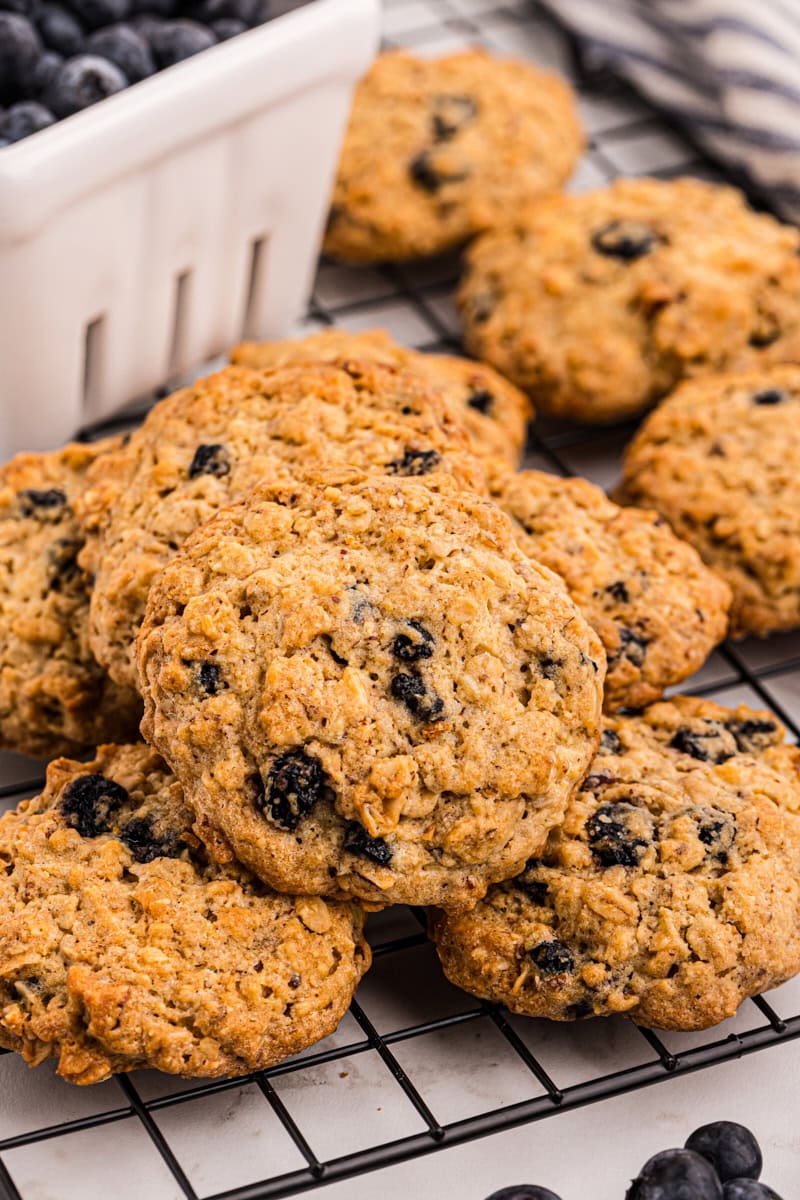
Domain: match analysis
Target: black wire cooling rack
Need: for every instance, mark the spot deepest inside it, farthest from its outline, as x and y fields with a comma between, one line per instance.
x=414, y=304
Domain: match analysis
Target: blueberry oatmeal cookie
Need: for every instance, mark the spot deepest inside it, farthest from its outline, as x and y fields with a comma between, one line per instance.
x=494, y=413
x=369, y=689
x=439, y=149
x=205, y=446
x=721, y=460
x=670, y=893
x=124, y=944
x=658, y=610
x=599, y=304
x=54, y=697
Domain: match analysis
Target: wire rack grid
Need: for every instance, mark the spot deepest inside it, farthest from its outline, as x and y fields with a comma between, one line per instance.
x=373, y=1093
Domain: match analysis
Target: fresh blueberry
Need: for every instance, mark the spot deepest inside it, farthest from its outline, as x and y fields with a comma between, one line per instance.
x=146, y=25
x=174, y=41
x=228, y=27
x=207, y=11
x=747, y=1189
x=524, y=1191
x=81, y=82
x=676, y=1175
x=158, y=8
x=20, y=50
x=730, y=1148
x=94, y=13
x=60, y=30
x=25, y=118
x=126, y=48
x=24, y=8
x=45, y=71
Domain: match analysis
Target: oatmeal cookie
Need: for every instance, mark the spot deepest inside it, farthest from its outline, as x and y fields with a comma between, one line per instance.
x=671, y=891
x=658, y=610
x=205, y=446
x=599, y=304
x=720, y=459
x=369, y=689
x=494, y=413
x=124, y=944
x=54, y=697
x=439, y=149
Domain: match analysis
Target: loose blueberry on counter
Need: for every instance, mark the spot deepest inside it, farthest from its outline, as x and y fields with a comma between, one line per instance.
x=81, y=82
x=206, y=11
x=126, y=48
x=60, y=30
x=748, y=1189
x=20, y=49
x=730, y=1148
x=23, y=8
x=524, y=1191
x=89, y=802
x=175, y=41
x=23, y=119
x=676, y=1175
x=94, y=13
x=159, y=8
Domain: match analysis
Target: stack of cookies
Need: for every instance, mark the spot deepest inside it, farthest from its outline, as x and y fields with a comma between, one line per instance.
x=372, y=662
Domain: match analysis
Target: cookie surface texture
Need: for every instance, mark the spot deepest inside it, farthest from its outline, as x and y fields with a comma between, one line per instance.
x=123, y=944
x=657, y=609
x=438, y=149
x=494, y=413
x=720, y=459
x=207, y=445
x=599, y=304
x=670, y=893
x=369, y=689
x=54, y=697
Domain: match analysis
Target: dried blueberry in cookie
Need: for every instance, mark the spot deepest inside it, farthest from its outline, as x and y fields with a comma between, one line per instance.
x=296, y=782
x=210, y=460
x=90, y=803
x=625, y=239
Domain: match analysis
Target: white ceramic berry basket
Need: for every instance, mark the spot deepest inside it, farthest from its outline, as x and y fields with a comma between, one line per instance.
x=149, y=233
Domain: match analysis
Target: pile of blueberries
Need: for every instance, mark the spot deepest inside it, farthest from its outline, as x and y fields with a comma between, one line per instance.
x=59, y=56
x=721, y=1161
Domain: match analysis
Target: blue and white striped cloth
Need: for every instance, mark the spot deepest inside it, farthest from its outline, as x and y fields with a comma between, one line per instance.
x=727, y=69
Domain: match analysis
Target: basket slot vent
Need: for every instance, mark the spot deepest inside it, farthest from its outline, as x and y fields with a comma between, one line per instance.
x=94, y=339
x=176, y=359
x=252, y=319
